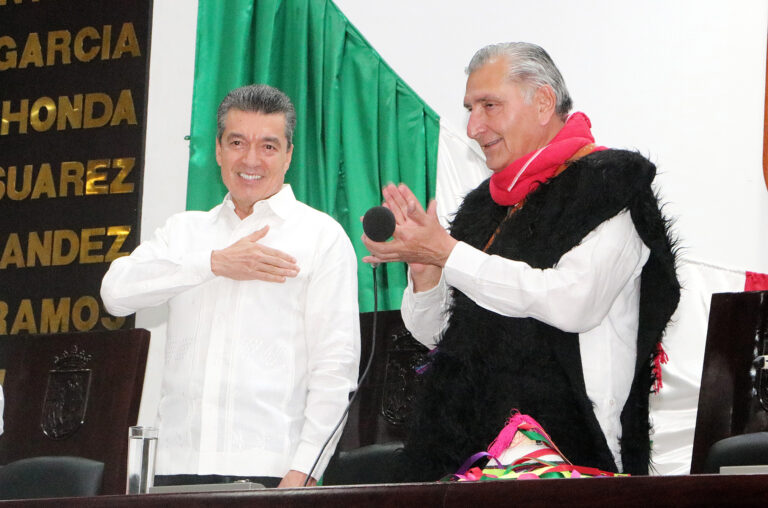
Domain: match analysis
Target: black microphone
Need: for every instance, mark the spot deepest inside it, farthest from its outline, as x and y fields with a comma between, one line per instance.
x=379, y=223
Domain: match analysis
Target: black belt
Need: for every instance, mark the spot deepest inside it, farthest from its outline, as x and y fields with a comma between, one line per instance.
x=204, y=479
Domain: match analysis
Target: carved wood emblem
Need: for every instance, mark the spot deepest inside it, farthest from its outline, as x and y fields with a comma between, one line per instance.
x=404, y=356
x=66, y=395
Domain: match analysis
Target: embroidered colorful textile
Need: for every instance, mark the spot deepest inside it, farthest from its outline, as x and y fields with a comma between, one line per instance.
x=659, y=358
x=523, y=451
x=512, y=184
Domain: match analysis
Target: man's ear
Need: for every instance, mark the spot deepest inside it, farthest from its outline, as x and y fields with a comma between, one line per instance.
x=290, y=156
x=218, y=151
x=546, y=103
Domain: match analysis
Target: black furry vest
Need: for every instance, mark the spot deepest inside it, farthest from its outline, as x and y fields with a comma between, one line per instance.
x=487, y=364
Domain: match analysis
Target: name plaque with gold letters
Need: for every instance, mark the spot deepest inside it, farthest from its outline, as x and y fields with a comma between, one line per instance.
x=73, y=104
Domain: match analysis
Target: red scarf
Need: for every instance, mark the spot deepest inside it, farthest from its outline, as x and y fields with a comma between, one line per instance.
x=512, y=184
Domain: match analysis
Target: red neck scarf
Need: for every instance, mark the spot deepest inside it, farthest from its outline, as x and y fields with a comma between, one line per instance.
x=511, y=185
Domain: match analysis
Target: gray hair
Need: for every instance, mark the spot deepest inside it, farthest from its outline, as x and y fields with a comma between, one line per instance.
x=530, y=66
x=258, y=99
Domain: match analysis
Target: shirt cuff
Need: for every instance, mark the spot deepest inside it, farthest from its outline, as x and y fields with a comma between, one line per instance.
x=462, y=264
x=200, y=264
x=424, y=299
x=305, y=456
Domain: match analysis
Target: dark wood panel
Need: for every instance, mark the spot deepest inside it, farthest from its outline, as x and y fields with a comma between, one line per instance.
x=45, y=400
x=731, y=389
x=379, y=411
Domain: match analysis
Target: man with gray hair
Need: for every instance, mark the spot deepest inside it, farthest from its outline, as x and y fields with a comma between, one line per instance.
x=552, y=291
x=263, y=338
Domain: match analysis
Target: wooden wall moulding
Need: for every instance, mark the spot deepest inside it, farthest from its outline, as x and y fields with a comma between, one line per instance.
x=765, y=125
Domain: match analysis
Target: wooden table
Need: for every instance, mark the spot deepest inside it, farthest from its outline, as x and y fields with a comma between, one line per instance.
x=642, y=492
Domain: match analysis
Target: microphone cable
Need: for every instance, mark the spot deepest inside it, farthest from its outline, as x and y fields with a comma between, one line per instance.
x=359, y=382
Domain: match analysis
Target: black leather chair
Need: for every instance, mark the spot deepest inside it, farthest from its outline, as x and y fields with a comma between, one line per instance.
x=39, y=477
x=372, y=464
x=742, y=450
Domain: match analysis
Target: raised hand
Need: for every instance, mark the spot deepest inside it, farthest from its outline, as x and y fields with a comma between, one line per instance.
x=246, y=259
x=419, y=239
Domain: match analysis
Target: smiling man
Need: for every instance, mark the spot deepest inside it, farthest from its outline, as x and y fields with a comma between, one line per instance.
x=552, y=291
x=263, y=337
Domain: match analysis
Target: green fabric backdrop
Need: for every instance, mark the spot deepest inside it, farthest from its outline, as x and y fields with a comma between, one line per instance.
x=359, y=125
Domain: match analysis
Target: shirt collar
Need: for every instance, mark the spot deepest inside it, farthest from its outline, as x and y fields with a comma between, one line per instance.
x=282, y=204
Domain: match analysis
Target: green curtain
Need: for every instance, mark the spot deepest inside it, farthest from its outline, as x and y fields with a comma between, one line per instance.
x=359, y=125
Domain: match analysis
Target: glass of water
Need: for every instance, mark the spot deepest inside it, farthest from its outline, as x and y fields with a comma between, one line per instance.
x=142, y=446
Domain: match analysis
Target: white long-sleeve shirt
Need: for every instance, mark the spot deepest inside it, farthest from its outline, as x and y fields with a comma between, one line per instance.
x=593, y=290
x=257, y=373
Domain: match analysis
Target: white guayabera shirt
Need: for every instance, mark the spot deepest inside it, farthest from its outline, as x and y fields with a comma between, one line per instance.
x=256, y=373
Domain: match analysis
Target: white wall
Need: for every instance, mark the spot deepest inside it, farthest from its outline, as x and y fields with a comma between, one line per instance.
x=171, y=73
x=680, y=80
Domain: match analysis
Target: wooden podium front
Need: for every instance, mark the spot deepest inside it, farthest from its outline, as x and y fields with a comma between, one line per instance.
x=73, y=394
x=733, y=398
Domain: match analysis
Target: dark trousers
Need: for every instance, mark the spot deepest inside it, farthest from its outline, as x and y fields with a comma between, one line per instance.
x=205, y=479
